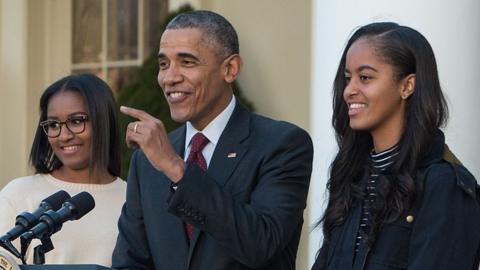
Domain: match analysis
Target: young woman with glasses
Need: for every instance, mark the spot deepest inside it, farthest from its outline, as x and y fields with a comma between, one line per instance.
x=398, y=199
x=76, y=148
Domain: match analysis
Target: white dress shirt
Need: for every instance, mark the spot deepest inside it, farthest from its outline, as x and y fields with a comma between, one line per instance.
x=212, y=131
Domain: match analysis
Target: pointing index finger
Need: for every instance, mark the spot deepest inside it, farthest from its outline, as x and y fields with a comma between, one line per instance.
x=135, y=113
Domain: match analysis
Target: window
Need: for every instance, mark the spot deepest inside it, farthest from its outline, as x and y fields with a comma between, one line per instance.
x=112, y=38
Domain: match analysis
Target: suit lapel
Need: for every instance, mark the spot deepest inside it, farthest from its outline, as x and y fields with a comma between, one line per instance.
x=230, y=150
x=227, y=155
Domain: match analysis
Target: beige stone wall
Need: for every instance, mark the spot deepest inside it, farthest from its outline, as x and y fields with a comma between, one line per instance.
x=275, y=44
x=34, y=51
x=275, y=38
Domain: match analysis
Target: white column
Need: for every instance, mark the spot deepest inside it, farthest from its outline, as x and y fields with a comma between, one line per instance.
x=34, y=52
x=453, y=30
x=13, y=89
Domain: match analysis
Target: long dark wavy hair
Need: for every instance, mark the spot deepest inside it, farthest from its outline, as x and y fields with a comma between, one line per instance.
x=408, y=52
x=102, y=111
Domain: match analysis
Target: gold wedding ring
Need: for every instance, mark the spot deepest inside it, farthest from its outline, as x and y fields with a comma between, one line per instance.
x=135, y=128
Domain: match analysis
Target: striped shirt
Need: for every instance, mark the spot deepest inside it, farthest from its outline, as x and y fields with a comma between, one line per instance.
x=380, y=161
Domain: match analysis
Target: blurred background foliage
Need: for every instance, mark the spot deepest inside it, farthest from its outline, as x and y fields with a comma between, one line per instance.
x=145, y=94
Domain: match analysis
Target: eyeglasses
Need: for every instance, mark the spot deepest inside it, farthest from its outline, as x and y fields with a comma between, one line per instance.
x=75, y=124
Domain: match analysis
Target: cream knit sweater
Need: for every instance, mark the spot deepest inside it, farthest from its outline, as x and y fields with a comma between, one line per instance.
x=89, y=240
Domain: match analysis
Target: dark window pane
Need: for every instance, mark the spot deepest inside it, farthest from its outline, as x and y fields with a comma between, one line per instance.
x=87, y=31
x=120, y=77
x=155, y=12
x=122, y=30
x=95, y=71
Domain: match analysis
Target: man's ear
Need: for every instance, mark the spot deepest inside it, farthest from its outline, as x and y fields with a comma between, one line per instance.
x=232, y=66
x=408, y=86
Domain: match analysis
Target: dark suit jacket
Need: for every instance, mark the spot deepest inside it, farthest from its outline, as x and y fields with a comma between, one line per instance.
x=246, y=210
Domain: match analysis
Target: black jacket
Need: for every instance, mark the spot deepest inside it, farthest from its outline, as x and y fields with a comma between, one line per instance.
x=444, y=232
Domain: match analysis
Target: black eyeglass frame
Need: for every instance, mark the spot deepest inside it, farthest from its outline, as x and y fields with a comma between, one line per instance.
x=44, y=124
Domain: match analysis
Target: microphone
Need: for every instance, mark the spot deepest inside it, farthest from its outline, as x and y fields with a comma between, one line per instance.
x=26, y=220
x=51, y=222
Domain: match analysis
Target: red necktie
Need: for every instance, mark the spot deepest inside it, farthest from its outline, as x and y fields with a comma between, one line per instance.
x=197, y=144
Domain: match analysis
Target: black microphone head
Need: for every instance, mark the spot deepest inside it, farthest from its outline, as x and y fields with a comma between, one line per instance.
x=82, y=203
x=57, y=199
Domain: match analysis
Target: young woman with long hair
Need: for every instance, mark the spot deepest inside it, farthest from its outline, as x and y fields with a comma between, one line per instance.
x=397, y=197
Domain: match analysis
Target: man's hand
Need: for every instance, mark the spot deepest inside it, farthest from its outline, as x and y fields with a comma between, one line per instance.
x=150, y=135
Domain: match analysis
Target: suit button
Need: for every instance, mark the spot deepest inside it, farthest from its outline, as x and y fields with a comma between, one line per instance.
x=409, y=218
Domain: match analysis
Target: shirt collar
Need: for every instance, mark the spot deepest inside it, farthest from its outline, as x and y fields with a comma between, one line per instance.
x=215, y=128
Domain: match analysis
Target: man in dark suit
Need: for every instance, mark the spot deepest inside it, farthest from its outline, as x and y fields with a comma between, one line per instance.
x=226, y=190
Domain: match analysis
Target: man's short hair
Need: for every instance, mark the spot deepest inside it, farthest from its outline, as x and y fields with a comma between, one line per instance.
x=218, y=31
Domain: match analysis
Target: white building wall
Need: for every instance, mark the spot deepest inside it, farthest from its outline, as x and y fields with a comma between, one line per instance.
x=453, y=30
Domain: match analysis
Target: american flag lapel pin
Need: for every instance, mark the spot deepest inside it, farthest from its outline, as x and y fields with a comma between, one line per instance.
x=232, y=155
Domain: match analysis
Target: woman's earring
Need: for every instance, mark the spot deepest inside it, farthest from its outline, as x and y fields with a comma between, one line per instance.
x=49, y=159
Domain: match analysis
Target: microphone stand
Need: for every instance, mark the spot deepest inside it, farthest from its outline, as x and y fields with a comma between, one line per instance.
x=40, y=250
x=9, y=247
x=24, y=243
